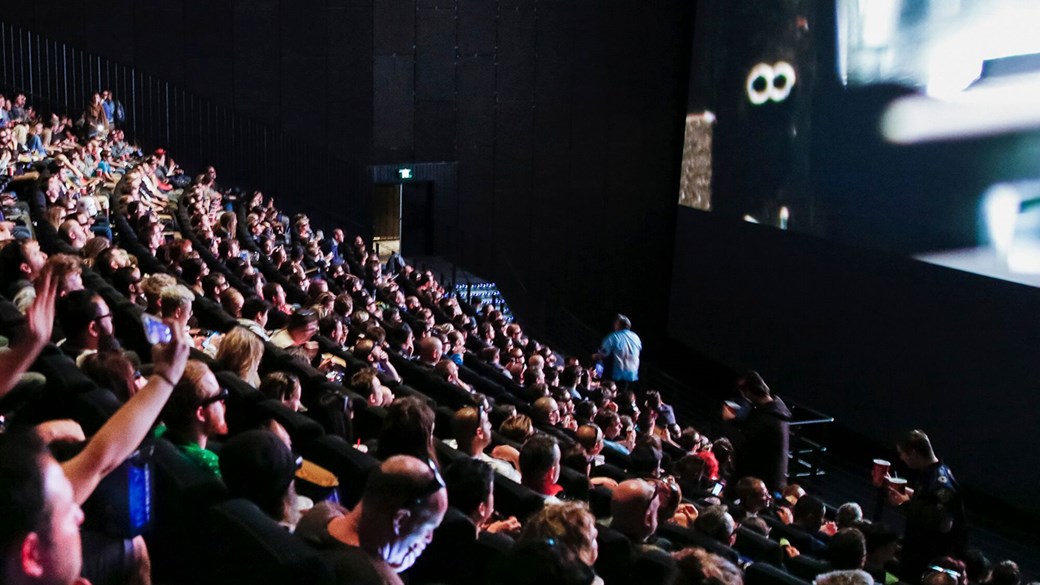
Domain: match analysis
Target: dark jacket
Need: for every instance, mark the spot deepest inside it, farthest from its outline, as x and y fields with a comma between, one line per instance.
x=763, y=444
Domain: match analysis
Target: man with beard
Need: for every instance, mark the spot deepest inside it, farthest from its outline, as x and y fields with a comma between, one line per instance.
x=86, y=320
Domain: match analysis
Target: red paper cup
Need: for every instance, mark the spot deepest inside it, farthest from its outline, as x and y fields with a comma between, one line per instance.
x=899, y=483
x=881, y=468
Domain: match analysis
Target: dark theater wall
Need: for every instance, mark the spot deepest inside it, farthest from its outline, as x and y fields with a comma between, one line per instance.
x=881, y=342
x=565, y=116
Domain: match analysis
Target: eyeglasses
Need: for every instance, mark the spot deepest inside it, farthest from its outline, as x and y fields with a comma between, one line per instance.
x=936, y=569
x=218, y=397
x=100, y=317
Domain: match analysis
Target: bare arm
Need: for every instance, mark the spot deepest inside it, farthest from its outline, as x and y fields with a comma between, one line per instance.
x=39, y=325
x=118, y=438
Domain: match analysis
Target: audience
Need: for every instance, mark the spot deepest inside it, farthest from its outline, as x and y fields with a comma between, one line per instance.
x=392, y=339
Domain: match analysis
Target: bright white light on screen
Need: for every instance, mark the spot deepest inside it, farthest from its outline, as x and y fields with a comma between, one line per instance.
x=1000, y=209
x=955, y=61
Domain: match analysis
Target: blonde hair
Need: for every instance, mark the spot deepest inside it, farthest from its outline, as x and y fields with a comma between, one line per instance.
x=241, y=351
x=569, y=524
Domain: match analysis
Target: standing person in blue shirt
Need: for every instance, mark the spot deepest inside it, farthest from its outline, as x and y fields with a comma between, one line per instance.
x=621, y=350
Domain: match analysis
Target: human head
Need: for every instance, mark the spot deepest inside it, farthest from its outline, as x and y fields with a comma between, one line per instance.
x=472, y=429
x=403, y=503
x=430, y=350
x=66, y=271
x=849, y=514
x=977, y=566
x=232, y=301
x=39, y=535
x=241, y=351
x=517, y=428
x=21, y=259
x=283, y=387
x=915, y=450
x=590, y=437
x=407, y=429
x=845, y=577
x=697, y=566
x=633, y=506
x=570, y=525
x=610, y=422
x=86, y=320
x=753, y=388
x=302, y=326
x=257, y=465
x=808, y=512
x=622, y=323
x=882, y=543
x=256, y=310
x=540, y=462
x=73, y=234
x=112, y=370
x=545, y=411
x=470, y=485
x=1006, y=573
x=152, y=286
x=195, y=410
x=716, y=522
x=847, y=549
x=176, y=303
x=753, y=494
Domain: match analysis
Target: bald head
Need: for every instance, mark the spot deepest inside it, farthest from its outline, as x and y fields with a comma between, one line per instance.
x=590, y=437
x=430, y=350
x=403, y=503
x=546, y=411
x=634, y=507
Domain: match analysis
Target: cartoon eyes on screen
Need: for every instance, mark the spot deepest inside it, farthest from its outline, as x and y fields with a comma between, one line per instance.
x=768, y=82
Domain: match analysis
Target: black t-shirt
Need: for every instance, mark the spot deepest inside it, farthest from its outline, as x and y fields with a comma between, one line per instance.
x=353, y=566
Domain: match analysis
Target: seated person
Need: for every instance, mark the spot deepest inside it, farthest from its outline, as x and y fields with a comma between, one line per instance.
x=300, y=327
x=806, y=532
x=254, y=317
x=195, y=414
x=540, y=466
x=260, y=467
x=403, y=503
x=471, y=429
x=633, y=510
x=697, y=566
x=407, y=430
x=283, y=387
x=847, y=550
x=40, y=500
x=754, y=499
x=564, y=537
x=366, y=383
x=86, y=320
x=716, y=523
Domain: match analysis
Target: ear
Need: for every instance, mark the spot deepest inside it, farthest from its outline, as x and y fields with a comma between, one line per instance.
x=482, y=509
x=92, y=329
x=25, y=269
x=31, y=555
x=401, y=518
x=200, y=414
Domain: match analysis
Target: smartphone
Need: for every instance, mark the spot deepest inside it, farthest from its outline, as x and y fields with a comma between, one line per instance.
x=155, y=331
x=717, y=489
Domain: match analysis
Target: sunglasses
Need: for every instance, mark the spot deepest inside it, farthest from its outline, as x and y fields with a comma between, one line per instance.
x=218, y=397
x=936, y=569
x=435, y=484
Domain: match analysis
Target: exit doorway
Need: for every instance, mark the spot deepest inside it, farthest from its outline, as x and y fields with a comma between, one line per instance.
x=403, y=218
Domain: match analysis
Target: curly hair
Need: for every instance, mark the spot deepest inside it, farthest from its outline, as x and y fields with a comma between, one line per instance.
x=569, y=524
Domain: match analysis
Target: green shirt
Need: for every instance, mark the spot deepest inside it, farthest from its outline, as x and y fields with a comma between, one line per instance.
x=204, y=458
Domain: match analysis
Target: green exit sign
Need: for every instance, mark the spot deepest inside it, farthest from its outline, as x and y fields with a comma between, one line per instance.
x=404, y=173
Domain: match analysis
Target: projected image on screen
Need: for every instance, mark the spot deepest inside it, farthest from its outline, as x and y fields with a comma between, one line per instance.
x=917, y=132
